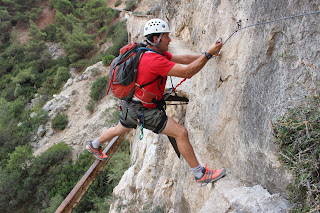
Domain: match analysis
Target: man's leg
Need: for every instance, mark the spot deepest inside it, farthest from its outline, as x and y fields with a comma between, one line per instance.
x=110, y=133
x=95, y=146
x=180, y=133
x=203, y=175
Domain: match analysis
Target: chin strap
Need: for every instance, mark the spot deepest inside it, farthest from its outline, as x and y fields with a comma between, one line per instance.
x=153, y=44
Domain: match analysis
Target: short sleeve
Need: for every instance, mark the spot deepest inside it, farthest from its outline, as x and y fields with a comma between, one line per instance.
x=161, y=65
x=168, y=55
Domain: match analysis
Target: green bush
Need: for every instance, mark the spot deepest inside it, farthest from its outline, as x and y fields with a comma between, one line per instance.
x=98, y=88
x=111, y=29
x=16, y=108
x=90, y=105
x=41, y=118
x=51, y=157
x=50, y=31
x=297, y=135
x=119, y=35
x=64, y=6
x=26, y=180
x=131, y=4
x=20, y=157
x=78, y=44
x=108, y=59
x=88, y=61
x=54, y=204
x=95, y=72
x=61, y=77
x=117, y=3
x=60, y=121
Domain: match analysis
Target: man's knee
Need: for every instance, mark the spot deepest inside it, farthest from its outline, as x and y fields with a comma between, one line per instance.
x=183, y=132
x=120, y=129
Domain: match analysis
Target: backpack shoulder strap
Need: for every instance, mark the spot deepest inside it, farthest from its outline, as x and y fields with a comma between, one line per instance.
x=148, y=49
x=141, y=86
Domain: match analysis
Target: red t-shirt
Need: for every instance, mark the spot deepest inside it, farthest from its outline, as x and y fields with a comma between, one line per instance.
x=150, y=67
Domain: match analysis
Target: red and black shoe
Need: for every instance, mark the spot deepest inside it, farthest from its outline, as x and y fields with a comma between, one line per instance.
x=97, y=152
x=210, y=175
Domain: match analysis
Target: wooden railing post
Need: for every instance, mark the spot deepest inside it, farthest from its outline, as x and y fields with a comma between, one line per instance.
x=74, y=197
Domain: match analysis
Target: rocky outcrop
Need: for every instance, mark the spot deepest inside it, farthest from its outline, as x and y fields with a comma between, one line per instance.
x=263, y=71
x=55, y=50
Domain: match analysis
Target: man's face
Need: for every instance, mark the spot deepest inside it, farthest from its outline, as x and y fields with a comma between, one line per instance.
x=164, y=43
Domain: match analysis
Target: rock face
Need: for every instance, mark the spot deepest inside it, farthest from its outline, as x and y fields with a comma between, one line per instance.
x=263, y=71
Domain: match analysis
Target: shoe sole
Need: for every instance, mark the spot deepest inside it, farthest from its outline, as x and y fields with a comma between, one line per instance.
x=94, y=154
x=223, y=172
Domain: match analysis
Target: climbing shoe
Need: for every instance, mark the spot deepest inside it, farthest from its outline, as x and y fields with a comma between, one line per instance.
x=210, y=175
x=97, y=152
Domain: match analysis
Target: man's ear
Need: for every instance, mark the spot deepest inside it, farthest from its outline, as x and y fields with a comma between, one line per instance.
x=155, y=39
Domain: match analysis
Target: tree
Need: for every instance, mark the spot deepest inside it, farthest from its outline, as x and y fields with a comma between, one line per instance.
x=25, y=76
x=78, y=44
x=54, y=204
x=20, y=158
x=65, y=23
x=60, y=121
x=131, y=4
x=16, y=107
x=97, y=12
x=5, y=19
x=36, y=51
x=64, y=6
x=22, y=10
x=119, y=35
x=62, y=76
x=35, y=33
x=12, y=57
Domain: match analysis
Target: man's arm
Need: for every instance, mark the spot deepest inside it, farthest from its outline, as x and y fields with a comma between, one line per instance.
x=194, y=67
x=184, y=59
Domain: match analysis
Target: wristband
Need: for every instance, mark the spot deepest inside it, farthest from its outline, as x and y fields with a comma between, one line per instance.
x=208, y=55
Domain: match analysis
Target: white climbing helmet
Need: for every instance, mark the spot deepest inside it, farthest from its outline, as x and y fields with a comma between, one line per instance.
x=156, y=26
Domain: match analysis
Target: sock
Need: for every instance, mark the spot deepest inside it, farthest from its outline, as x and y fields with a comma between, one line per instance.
x=197, y=171
x=96, y=143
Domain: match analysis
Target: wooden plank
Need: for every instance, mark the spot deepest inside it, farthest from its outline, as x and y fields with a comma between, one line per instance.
x=74, y=197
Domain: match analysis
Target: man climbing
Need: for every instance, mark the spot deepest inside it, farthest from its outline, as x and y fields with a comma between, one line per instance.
x=158, y=64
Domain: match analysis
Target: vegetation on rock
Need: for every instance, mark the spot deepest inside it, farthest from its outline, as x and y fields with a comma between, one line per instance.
x=298, y=137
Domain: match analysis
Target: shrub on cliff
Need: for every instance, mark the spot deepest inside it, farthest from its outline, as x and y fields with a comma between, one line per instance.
x=131, y=4
x=298, y=137
x=108, y=59
x=98, y=88
x=119, y=36
x=61, y=77
x=60, y=121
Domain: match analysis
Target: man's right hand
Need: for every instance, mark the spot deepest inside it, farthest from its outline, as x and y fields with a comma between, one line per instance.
x=214, y=49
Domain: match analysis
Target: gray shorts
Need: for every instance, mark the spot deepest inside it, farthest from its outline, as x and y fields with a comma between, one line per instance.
x=154, y=119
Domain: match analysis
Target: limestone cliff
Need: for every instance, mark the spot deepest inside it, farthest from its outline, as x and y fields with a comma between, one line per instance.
x=263, y=71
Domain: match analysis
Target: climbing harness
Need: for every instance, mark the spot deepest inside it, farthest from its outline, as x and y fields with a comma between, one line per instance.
x=266, y=22
x=141, y=124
